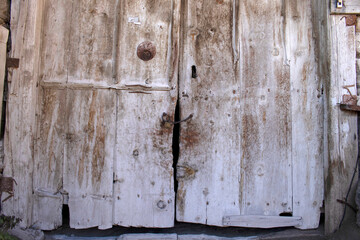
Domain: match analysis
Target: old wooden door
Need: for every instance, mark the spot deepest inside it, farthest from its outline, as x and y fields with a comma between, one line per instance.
x=252, y=154
x=100, y=144
x=103, y=74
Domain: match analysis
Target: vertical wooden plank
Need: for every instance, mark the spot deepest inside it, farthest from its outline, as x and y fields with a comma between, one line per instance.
x=209, y=162
x=48, y=160
x=88, y=165
x=4, y=33
x=51, y=123
x=141, y=21
x=144, y=182
x=307, y=111
x=342, y=125
x=20, y=127
x=144, y=177
x=91, y=38
x=55, y=41
x=266, y=140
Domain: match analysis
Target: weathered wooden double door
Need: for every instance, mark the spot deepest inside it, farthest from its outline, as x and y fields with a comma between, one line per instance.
x=250, y=156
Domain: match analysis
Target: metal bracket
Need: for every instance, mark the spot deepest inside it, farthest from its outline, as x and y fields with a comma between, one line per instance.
x=12, y=62
x=339, y=4
x=165, y=118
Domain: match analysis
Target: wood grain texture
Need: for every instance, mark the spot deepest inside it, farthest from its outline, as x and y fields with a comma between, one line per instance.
x=144, y=182
x=210, y=141
x=307, y=110
x=141, y=21
x=239, y=152
x=88, y=164
x=91, y=41
x=20, y=128
x=49, y=159
x=4, y=34
x=265, y=110
x=50, y=142
x=143, y=172
x=253, y=221
x=342, y=125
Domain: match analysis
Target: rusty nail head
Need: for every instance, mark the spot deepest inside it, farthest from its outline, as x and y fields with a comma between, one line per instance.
x=351, y=20
x=146, y=51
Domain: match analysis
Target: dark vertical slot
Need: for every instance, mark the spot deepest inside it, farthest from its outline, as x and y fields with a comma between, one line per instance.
x=65, y=216
x=193, y=71
x=175, y=145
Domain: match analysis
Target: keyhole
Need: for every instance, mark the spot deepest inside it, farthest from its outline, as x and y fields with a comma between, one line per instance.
x=193, y=71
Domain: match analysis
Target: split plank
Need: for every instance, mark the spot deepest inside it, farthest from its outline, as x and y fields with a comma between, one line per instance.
x=20, y=118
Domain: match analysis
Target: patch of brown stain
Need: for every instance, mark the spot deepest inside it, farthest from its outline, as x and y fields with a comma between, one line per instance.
x=351, y=20
x=89, y=130
x=175, y=60
x=98, y=156
x=180, y=200
x=190, y=136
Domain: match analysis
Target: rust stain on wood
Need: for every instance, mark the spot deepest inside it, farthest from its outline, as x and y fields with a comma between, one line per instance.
x=351, y=20
x=180, y=199
x=190, y=136
x=98, y=156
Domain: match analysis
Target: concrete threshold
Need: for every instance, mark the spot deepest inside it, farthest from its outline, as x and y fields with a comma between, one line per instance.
x=184, y=231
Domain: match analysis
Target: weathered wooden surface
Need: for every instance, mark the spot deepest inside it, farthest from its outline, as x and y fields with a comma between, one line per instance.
x=50, y=144
x=208, y=167
x=143, y=172
x=349, y=7
x=342, y=125
x=4, y=33
x=4, y=12
x=253, y=221
x=80, y=113
x=20, y=128
x=307, y=110
x=88, y=162
x=243, y=152
x=265, y=99
x=94, y=131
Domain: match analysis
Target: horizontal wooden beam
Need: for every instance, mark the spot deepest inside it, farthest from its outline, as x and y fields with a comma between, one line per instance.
x=350, y=107
x=254, y=221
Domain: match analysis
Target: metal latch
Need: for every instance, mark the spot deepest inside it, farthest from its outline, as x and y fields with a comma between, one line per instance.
x=165, y=118
x=339, y=4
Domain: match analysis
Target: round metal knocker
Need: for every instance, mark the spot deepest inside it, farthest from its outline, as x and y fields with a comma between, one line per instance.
x=146, y=51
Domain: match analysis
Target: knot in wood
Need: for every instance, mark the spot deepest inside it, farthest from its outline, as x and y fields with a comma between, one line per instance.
x=146, y=51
